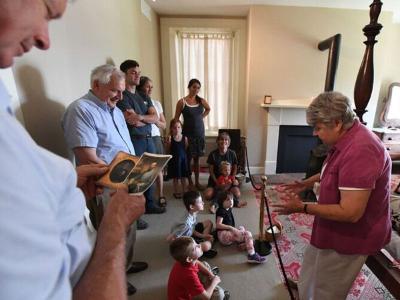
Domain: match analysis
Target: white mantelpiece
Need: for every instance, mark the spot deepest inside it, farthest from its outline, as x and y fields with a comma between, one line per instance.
x=281, y=112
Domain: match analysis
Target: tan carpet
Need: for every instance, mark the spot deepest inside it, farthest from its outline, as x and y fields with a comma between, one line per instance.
x=244, y=281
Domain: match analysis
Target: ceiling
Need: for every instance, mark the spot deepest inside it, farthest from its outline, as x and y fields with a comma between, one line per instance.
x=241, y=7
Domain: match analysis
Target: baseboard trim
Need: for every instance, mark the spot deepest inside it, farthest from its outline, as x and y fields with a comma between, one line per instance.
x=256, y=170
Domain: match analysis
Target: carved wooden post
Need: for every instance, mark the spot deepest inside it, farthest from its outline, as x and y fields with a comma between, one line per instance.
x=365, y=77
x=333, y=44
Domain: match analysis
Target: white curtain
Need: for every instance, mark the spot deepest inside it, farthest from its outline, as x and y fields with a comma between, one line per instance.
x=208, y=57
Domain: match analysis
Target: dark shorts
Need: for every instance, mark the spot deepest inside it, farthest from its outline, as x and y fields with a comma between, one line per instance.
x=158, y=144
x=199, y=227
x=197, y=145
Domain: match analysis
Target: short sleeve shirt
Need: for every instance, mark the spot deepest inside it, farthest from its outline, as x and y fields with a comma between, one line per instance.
x=184, y=227
x=45, y=245
x=140, y=104
x=215, y=158
x=90, y=122
x=184, y=282
x=357, y=161
x=226, y=215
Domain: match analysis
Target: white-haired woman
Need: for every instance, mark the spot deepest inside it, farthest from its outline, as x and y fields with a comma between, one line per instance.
x=352, y=215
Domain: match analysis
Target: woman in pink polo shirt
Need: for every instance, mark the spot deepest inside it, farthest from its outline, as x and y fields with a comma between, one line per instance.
x=352, y=215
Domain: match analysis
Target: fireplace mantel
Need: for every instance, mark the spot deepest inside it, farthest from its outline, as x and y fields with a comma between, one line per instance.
x=288, y=103
x=281, y=112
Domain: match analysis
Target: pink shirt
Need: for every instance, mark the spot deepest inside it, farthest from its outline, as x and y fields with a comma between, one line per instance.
x=357, y=161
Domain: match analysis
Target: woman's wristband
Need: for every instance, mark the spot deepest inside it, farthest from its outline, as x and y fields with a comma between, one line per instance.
x=305, y=208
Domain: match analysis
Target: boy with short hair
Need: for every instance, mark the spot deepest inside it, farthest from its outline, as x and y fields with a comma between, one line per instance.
x=190, y=278
x=187, y=226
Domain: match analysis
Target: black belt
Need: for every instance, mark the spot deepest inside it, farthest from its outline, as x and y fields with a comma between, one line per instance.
x=141, y=136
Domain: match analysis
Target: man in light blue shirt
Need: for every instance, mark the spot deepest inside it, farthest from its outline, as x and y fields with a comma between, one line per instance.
x=45, y=250
x=95, y=130
x=94, y=127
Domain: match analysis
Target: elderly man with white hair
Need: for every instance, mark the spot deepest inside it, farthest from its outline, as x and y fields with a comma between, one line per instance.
x=95, y=130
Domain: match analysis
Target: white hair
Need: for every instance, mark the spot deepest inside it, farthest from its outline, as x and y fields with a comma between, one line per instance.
x=329, y=107
x=103, y=74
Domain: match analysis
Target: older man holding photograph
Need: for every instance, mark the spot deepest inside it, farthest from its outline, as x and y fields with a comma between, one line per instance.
x=46, y=252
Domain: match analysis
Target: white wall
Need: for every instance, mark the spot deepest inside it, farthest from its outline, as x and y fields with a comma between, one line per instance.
x=91, y=33
x=284, y=60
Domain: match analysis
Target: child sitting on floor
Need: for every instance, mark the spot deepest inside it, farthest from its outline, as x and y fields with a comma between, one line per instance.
x=190, y=278
x=226, y=182
x=187, y=226
x=227, y=232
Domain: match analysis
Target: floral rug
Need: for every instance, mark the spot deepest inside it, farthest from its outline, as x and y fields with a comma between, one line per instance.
x=294, y=240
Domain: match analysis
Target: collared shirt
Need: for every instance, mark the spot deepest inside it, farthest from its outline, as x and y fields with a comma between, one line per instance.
x=357, y=161
x=44, y=244
x=140, y=104
x=90, y=122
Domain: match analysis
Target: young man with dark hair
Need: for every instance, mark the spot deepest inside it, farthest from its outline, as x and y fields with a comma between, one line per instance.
x=139, y=114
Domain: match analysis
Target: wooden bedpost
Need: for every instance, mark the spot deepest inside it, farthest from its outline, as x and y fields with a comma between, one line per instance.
x=365, y=78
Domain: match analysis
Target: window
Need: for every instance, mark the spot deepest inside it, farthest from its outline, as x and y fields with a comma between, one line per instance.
x=208, y=56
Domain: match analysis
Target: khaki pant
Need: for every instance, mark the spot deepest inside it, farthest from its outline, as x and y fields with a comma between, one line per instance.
x=328, y=275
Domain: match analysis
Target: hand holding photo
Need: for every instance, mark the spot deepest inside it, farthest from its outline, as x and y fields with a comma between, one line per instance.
x=119, y=169
x=136, y=173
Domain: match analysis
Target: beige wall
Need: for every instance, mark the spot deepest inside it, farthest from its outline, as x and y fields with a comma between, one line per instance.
x=284, y=60
x=91, y=33
x=167, y=26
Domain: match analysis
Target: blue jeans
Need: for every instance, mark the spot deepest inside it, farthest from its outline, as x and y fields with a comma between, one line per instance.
x=141, y=146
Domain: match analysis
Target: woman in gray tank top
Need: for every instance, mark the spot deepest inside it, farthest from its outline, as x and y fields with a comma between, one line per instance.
x=193, y=109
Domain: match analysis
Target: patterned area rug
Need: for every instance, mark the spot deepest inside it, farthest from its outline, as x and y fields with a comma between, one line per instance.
x=295, y=238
